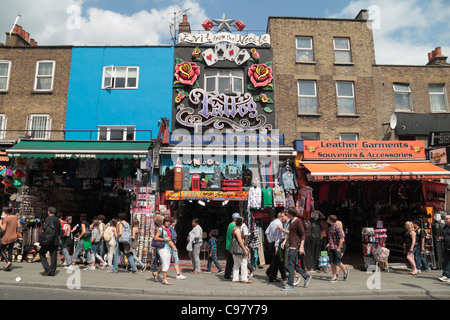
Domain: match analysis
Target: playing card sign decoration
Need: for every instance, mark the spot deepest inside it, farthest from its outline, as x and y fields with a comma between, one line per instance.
x=224, y=52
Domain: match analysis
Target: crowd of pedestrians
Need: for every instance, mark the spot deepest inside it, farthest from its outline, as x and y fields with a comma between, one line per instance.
x=106, y=243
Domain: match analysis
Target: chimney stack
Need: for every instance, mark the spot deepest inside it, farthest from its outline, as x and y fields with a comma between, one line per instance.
x=435, y=58
x=19, y=38
x=184, y=26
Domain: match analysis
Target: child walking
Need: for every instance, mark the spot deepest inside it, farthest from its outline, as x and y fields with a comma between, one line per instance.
x=212, y=248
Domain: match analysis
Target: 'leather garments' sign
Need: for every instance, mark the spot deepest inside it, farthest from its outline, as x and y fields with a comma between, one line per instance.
x=363, y=150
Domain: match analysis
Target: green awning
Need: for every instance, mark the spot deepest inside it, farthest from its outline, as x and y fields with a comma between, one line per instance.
x=79, y=149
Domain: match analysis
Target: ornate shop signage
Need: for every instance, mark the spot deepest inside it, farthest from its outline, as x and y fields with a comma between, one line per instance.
x=207, y=195
x=213, y=38
x=221, y=109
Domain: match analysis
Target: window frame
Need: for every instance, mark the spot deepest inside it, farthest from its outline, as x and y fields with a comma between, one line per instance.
x=349, y=50
x=113, y=77
x=116, y=127
x=349, y=133
x=3, y=124
x=48, y=125
x=402, y=92
x=345, y=97
x=297, y=49
x=307, y=96
x=310, y=133
x=52, y=76
x=444, y=95
x=8, y=76
x=231, y=77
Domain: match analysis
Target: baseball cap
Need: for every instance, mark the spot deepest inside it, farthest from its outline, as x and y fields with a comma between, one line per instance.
x=236, y=215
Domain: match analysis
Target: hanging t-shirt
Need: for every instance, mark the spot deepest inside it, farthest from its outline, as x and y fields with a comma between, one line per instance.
x=267, y=197
x=127, y=166
x=254, y=197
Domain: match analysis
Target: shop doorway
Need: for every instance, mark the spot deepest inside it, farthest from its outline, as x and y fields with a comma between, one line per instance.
x=213, y=216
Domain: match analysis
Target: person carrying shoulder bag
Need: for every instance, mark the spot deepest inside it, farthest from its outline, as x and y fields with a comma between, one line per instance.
x=240, y=254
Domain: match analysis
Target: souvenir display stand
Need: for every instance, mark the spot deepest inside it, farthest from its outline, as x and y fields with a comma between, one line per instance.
x=429, y=253
x=374, y=248
x=142, y=208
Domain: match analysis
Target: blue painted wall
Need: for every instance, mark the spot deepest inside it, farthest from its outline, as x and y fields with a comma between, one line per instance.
x=90, y=106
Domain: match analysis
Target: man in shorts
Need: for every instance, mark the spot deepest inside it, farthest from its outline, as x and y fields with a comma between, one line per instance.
x=335, y=242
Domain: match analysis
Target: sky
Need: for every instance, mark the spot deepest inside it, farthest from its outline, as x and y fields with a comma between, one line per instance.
x=404, y=30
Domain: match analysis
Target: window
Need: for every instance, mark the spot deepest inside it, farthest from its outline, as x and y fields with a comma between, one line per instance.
x=2, y=126
x=44, y=75
x=342, y=52
x=438, y=98
x=348, y=136
x=402, y=96
x=39, y=126
x=224, y=81
x=120, y=77
x=118, y=133
x=304, y=49
x=5, y=67
x=307, y=97
x=345, y=98
x=309, y=135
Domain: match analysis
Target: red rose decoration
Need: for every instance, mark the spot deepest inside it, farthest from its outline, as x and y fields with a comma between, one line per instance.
x=187, y=73
x=260, y=75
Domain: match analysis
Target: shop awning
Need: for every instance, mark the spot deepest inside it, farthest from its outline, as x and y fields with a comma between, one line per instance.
x=79, y=149
x=382, y=171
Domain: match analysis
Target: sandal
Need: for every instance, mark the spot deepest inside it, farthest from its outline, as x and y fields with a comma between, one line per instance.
x=155, y=276
x=247, y=282
x=167, y=283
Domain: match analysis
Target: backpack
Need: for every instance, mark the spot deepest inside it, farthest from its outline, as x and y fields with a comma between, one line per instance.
x=108, y=234
x=125, y=237
x=47, y=238
x=88, y=231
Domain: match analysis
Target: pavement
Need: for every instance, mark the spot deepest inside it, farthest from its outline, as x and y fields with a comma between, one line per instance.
x=363, y=284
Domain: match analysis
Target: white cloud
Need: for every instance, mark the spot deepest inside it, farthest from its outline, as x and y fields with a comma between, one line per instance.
x=53, y=22
x=408, y=29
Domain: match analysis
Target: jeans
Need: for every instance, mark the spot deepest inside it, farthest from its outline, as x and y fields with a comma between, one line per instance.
x=63, y=244
x=419, y=259
x=213, y=258
x=446, y=265
x=156, y=261
x=137, y=260
x=78, y=250
x=116, y=257
x=94, y=251
x=195, y=257
x=293, y=266
x=174, y=255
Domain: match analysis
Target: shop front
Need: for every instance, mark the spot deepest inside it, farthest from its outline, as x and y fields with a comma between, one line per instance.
x=374, y=187
x=75, y=177
x=212, y=183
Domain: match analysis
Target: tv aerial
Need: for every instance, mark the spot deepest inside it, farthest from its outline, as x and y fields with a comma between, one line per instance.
x=14, y=24
x=177, y=15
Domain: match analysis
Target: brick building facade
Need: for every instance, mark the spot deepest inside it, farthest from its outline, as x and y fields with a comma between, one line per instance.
x=329, y=86
x=34, y=83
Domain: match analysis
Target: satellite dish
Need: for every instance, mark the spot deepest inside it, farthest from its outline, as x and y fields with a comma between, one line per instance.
x=393, y=121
